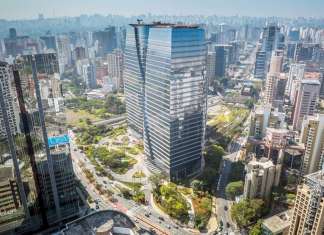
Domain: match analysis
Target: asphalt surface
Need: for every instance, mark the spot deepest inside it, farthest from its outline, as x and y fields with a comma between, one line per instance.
x=145, y=216
x=222, y=204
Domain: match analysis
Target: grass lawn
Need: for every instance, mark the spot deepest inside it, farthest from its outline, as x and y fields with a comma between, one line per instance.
x=202, y=207
x=133, y=186
x=73, y=117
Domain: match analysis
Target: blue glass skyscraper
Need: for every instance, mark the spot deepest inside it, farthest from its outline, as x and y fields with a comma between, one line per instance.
x=166, y=94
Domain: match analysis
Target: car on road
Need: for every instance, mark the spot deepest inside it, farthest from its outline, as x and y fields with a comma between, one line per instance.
x=105, y=182
x=161, y=218
x=228, y=225
x=221, y=224
x=225, y=208
x=147, y=214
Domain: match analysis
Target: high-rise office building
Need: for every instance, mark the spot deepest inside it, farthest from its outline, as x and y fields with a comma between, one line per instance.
x=275, y=89
x=64, y=178
x=79, y=53
x=6, y=93
x=22, y=150
x=210, y=67
x=312, y=136
x=134, y=76
x=296, y=74
x=305, y=101
x=220, y=60
x=106, y=39
x=270, y=38
x=270, y=41
x=166, y=101
x=12, y=33
x=64, y=52
x=291, y=50
x=308, y=214
x=260, y=120
x=116, y=67
x=276, y=62
x=264, y=116
x=261, y=65
x=50, y=41
x=16, y=44
x=306, y=52
x=294, y=35
x=261, y=176
x=89, y=75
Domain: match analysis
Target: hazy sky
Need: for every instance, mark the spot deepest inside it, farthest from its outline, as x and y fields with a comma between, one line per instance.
x=22, y=9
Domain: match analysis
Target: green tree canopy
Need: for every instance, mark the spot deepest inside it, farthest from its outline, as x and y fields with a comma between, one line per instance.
x=256, y=229
x=247, y=211
x=234, y=189
x=197, y=185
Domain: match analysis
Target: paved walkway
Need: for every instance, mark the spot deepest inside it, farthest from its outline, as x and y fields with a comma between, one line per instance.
x=212, y=225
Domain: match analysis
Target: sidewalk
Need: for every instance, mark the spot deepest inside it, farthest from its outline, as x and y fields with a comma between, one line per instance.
x=212, y=225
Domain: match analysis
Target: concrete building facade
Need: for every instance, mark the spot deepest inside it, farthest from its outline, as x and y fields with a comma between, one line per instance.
x=308, y=214
x=261, y=176
x=312, y=136
x=305, y=102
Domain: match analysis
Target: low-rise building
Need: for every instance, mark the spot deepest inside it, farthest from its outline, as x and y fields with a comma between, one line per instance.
x=277, y=224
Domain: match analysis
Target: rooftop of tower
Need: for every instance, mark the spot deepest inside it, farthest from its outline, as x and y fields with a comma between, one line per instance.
x=316, y=178
x=159, y=24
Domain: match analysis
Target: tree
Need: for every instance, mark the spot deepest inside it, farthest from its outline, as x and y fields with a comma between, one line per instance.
x=234, y=189
x=216, y=150
x=237, y=172
x=291, y=179
x=126, y=193
x=139, y=197
x=114, y=104
x=247, y=211
x=196, y=185
x=88, y=121
x=249, y=103
x=209, y=176
x=256, y=229
x=156, y=179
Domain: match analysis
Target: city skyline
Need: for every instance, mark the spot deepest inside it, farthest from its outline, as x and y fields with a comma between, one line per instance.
x=13, y=10
x=162, y=117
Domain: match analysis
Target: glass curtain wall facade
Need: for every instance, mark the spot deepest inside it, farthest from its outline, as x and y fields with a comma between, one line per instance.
x=175, y=96
x=134, y=77
x=35, y=94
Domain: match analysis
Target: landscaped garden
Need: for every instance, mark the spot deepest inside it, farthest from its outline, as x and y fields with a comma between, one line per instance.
x=227, y=124
x=117, y=160
x=169, y=199
x=202, y=203
x=246, y=212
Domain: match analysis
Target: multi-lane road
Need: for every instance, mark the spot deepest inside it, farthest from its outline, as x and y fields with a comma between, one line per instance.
x=146, y=216
x=222, y=204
